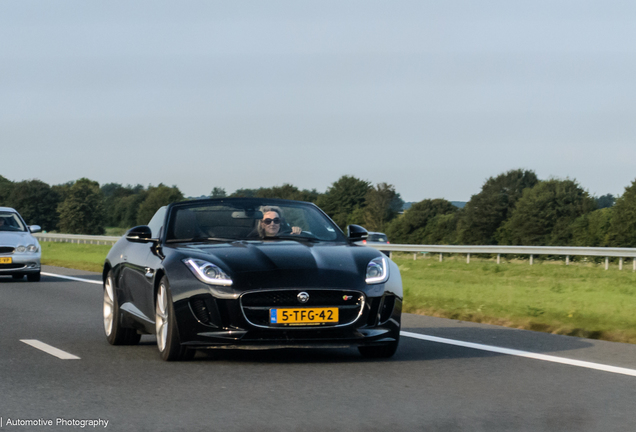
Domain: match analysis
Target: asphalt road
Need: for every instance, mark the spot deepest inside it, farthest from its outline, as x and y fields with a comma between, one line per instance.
x=426, y=386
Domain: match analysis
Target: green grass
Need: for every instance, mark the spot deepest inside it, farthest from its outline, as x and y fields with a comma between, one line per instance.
x=72, y=255
x=579, y=299
x=582, y=299
x=115, y=231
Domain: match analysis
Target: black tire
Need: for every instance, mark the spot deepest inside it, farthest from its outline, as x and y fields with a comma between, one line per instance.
x=17, y=277
x=380, y=351
x=33, y=277
x=115, y=333
x=168, y=342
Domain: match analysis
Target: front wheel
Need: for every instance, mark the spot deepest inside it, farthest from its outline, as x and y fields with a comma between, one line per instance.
x=168, y=342
x=115, y=333
x=33, y=277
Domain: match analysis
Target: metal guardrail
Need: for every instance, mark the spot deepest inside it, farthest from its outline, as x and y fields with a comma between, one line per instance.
x=77, y=238
x=566, y=251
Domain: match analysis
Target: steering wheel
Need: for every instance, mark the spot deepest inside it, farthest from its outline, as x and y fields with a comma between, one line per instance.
x=308, y=234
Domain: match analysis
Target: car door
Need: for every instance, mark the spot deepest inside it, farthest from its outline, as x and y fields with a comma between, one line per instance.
x=140, y=268
x=137, y=277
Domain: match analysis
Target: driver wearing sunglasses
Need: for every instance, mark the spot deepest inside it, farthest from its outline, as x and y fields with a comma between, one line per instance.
x=269, y=226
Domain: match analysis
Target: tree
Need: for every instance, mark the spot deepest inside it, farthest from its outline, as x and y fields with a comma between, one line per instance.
x=127, y=208
x=442, y=229
x=218, y=192
x=487, y=210
x=382, y=204
x=605, y=201
x=63, y=190
x=591, y=229
x=343, y=197
x=5, y=190
x=117, y=204
x=286, y=191
x=410, y=228
x=157, y=197
x=82, y=211
x=544, y=214
x=244, y=193
x=622, y=231
x=36, y=202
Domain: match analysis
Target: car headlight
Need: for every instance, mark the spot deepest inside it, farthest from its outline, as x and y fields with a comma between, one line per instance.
x=377, y=271
x=28, y=249
x=207, y=272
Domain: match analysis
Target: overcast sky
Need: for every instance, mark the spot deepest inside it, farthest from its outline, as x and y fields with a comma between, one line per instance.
x=433, y=97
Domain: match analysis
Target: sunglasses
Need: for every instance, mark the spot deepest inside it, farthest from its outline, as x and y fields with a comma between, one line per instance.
x=269, y=221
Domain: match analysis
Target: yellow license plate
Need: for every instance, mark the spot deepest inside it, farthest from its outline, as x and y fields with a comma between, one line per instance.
x=5, y=260
x=298, y=316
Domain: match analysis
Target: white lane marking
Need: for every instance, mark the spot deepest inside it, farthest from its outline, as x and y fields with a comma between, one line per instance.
x=73, y=278
x=518, y=353
x=50, y=349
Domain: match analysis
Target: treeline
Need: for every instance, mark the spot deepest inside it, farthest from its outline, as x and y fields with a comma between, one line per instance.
x=85, y=207
x=513, y=208
x=82, y=206
x=516, y=208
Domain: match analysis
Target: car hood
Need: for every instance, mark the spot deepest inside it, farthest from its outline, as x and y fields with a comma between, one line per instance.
x=288, y=263
x=16, y=238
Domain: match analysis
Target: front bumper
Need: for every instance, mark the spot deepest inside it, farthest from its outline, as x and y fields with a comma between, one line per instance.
x=206, y=322
x=23, y=263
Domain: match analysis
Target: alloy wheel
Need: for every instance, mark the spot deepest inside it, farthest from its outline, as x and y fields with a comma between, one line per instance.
x=161, y=318
x=109, y=310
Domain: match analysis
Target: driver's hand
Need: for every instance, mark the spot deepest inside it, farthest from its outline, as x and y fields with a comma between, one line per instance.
x=296, y=230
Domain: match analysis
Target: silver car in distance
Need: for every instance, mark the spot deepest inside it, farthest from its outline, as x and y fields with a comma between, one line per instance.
x=19, y=251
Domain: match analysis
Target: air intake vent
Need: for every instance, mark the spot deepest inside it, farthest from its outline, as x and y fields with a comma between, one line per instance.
x=200, y=311
x=6, y=249
x=12, y=266
x=387, y=308
x=205, y=311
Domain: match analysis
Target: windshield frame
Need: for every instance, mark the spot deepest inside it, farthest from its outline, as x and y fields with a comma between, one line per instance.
x=254, y=203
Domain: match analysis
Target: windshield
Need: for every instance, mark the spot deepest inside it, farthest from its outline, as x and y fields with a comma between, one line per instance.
x=10, y=221
x=377, y=238
x=249, y=219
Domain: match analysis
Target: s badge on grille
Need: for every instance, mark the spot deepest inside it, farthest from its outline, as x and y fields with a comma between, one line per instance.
x=303, y=297
x=346, y=297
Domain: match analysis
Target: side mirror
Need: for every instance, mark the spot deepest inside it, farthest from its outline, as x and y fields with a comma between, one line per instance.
x=139, y=234
x=356, y=233
x=35, y=228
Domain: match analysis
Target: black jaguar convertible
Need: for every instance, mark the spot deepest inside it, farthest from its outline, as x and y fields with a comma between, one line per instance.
x=250, y=273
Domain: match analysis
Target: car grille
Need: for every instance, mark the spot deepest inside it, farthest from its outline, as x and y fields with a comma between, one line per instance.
x=6, y=249
x=11, y=266
x=256, y=304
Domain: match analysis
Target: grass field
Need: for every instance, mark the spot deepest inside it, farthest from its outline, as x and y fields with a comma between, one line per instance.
x=115, y=231
x=72, y=255
x=581, y=299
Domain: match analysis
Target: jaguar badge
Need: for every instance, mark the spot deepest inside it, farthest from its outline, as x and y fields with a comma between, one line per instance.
x=303, y=297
